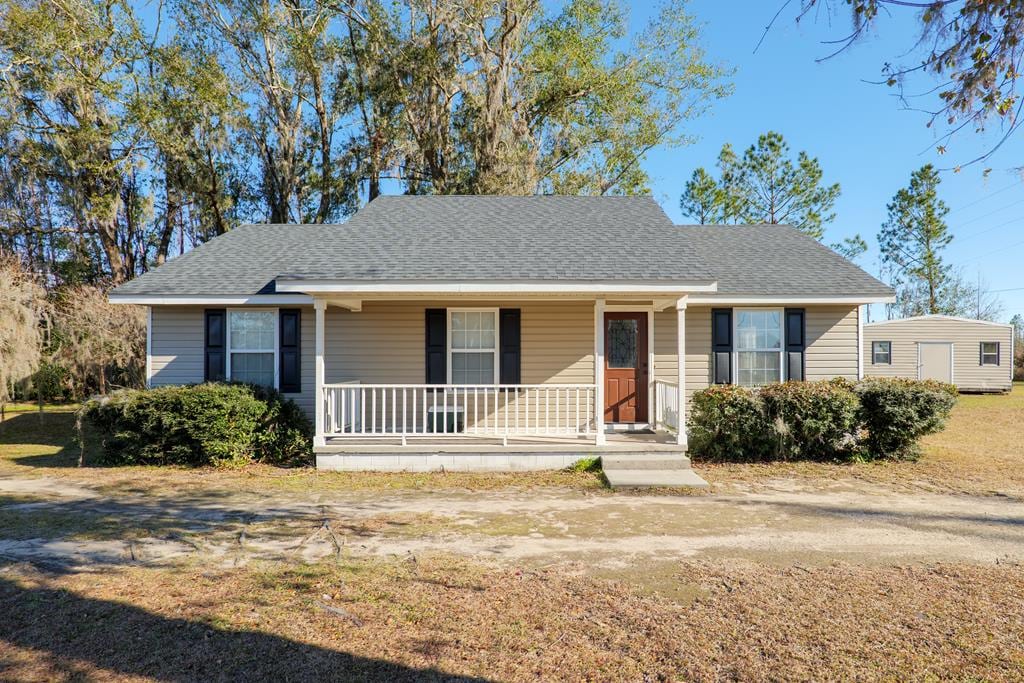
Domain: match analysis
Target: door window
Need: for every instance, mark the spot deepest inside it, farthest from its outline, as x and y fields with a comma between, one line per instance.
x=622, y=339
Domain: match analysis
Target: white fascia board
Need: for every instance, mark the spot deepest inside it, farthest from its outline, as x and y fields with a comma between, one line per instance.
x=728, y=300
x=455, y=287
x=256, y=299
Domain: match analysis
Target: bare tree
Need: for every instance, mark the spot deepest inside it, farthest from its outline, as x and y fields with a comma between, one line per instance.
x=23, y=310
x=99, y=343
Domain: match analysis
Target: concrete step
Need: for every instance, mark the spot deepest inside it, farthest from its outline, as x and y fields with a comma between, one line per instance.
x=645, y=461
x=651, y=478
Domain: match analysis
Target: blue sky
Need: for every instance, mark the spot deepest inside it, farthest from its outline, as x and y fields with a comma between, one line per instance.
x=856, y=129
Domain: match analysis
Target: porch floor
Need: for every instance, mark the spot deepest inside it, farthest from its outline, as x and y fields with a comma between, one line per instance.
x=617, y=442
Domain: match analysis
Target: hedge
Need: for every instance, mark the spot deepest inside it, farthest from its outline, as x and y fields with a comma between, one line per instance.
x=224, y=425
x=824, y=421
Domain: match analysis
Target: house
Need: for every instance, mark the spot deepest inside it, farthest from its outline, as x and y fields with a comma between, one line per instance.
x=486, y=332
x=975, y=355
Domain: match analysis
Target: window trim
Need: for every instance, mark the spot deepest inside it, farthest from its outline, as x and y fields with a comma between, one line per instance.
x=874, y=353
x=736, y=351
x=277, y=341
x=982, y=353
x=497, y=343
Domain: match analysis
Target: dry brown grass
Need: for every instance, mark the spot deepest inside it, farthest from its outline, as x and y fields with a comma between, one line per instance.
x=447, y=618
x=981, y=452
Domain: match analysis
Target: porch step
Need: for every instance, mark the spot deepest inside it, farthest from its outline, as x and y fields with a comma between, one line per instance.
x=654, y=478
x=650, y=469
x=645, y=461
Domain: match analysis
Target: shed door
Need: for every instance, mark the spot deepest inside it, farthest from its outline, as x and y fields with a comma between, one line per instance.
x=625, y=370
x=935, y=361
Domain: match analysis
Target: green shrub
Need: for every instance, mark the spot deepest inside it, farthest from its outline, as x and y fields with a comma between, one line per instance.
x=811, y=420
x=225, y=425
x=829, y=420
x=286, y=435
x=898, y=412
x=728, y=423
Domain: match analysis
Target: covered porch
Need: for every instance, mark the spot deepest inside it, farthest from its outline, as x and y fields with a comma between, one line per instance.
x=624, y=406
x=618, y=403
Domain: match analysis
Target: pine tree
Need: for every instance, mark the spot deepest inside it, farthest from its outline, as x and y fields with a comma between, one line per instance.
x=912, y=241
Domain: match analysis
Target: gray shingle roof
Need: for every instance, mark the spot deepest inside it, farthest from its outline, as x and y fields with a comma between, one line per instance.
x=776, y=260
x=538, y=238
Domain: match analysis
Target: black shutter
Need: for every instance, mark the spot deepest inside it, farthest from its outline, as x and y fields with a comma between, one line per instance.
x=215, y=335
x=437, y=345
x=510, y=351
x=290, y=350
x=795, y=344
x=721, y=344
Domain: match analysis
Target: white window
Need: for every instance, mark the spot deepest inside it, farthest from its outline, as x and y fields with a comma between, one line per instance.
x=472, y=345
x=881, y=353
x=758, y=347
x=990, y=353
x=252, y=347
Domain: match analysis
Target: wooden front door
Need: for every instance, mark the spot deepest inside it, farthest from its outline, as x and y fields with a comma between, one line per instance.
x=625, y=367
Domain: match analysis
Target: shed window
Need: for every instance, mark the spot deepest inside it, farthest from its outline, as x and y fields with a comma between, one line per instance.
x=881, y=353
x=758, y=347
x=990, y=353
x=252, y=345
x=472, y=345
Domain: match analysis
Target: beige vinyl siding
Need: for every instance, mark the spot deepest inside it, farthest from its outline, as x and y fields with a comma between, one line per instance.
x=384, y=343
x=698, y=347
x=831, y=342
x=178, y=348
x=176, y=345
x=966, y=336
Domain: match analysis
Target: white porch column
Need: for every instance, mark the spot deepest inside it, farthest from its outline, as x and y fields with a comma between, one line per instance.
x=320, y=307
x=599, y=371
x=681, y=378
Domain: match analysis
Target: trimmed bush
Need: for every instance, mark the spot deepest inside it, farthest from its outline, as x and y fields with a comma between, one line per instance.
x=811, y=420
x=224, y=425
x=898, y=412
x=728, y=423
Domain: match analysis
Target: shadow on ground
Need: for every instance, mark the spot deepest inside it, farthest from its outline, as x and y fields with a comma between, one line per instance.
x=71, y=630
x=49, y=430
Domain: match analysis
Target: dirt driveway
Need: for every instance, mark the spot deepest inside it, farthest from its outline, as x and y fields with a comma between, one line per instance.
x=55, y=523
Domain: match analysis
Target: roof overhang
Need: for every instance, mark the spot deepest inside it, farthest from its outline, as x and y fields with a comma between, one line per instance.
x=211, y=300
x=491, y=288
x=942, y=318
x=771, y=300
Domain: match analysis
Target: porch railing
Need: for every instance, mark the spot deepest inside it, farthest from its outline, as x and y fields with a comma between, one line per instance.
x=666, y=404
x=492, y=410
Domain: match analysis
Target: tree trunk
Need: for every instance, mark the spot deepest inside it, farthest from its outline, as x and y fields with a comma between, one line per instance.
x=170, y=216
x=106, y=228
